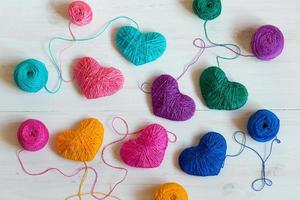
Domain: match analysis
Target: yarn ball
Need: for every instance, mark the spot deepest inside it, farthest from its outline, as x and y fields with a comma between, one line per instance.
x=171, y=191
x=207, y=9
x=207, y=158
x=83, y=143
x=140, y=48
x=80, y=13
x=96, y=81
x=31, y=75
x=267, y=42
x=168, y=102
x=33, y=135
x=148, y=150
x=220, y=93
x=263, y=125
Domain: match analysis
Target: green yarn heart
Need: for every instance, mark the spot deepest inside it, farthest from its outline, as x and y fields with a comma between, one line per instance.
x=220, y=93
x=140, y=48
x=207, y=9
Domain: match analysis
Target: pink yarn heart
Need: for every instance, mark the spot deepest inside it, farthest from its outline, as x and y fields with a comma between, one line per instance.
x=96, y=81
x=148, y=150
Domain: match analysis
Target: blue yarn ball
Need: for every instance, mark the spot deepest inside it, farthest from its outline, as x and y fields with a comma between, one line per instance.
x=31, y=75
x=263, y=125
x=207, y=158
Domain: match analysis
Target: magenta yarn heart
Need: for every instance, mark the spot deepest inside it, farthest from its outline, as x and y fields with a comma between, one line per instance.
x=96, y=81
x=168, y=102
x=148, y=150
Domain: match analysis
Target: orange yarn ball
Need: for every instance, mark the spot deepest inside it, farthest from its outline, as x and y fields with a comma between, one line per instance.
x=83, y=143
x=171, y=191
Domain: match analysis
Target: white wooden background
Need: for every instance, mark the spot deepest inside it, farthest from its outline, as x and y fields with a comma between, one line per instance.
x=26, y=27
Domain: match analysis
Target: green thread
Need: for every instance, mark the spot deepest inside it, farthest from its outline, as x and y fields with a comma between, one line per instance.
x=219, y=93
x=238, y=49
x=207, y=9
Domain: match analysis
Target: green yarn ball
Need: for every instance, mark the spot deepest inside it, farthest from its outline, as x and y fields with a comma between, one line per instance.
x=31, y=75
x=207, y=9
x=219, y=93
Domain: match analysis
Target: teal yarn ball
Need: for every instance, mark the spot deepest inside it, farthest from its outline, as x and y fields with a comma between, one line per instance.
x=140, y=48
x=31, y=75
x=207, y=9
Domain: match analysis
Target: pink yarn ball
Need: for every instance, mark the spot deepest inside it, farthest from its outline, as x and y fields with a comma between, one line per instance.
x=80, y=13
x=33, y=135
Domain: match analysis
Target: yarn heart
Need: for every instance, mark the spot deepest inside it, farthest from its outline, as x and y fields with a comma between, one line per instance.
x=148, y=150
x=219, y=93
x=81, y=144
x=140, y=48
x=168, y=102
x=96, y=81
x=207, y=158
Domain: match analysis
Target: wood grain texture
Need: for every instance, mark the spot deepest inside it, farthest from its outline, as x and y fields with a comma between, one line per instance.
x=26, y=27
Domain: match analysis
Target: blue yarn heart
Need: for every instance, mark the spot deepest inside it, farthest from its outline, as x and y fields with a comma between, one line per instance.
x=207, y=158
x=140, y=48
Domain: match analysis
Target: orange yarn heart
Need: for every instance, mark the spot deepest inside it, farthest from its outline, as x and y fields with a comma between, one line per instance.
x=81, y=144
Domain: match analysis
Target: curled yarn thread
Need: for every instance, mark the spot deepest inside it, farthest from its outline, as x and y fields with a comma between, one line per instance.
x=263, y=180
x=207, y=9
x=263, y=125
x=31, y=75
x=267, y=42
x=171, y=191
x=140, y=48
x=96, y=81
x=205, y=159
x=83, y=143
x=80, y=13
x=220, y=93
x=33, y=135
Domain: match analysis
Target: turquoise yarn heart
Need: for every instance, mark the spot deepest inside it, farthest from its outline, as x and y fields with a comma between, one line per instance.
x=140, y=48
x=31, y=75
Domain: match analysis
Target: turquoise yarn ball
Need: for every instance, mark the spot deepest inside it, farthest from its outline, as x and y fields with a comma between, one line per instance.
x=31, y=75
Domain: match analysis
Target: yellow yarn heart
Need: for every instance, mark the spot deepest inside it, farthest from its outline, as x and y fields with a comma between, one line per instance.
x=81, y=144
x=171, y=191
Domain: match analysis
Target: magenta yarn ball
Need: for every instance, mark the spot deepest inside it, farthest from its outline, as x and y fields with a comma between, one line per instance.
x=267, y=42
x=33, y=135
x=80, y=13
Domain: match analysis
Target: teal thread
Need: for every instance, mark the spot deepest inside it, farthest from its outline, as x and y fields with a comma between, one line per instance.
x=31, y=75
x=57, y=38
x=207, y=9
x=140, y=48
x=237, y=52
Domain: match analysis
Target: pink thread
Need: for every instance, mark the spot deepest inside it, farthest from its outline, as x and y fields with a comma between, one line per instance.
x=96, y=81
x=62, y=51
x=33, y=135
x=80, y=13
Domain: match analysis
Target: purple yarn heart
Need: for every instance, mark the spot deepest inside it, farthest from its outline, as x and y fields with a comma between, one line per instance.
x=168, y=102
x=267, y=42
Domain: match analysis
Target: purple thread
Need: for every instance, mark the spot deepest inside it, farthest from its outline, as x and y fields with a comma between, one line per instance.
x=267, y=42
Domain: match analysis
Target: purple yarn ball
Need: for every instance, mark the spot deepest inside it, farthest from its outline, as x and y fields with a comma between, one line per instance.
x=267, y=42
